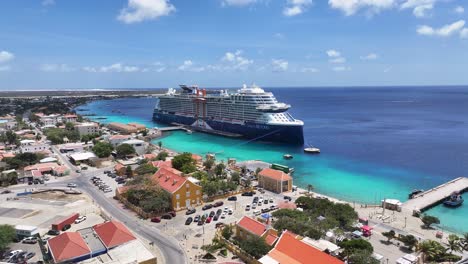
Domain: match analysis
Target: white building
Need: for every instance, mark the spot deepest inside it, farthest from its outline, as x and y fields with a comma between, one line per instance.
x=116, y=140
x=32, y=146
x=70, y=118
x=138, y=145
x=87, y=128
x=26, y=231
x=50, y=120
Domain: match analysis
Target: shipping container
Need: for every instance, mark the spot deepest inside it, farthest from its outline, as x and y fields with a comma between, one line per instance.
x=65, y=221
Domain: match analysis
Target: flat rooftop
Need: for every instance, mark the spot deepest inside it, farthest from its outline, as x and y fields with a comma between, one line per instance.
x=94, y=243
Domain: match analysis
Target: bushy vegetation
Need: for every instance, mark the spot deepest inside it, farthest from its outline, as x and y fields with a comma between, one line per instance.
x=150, y=200
x=8, y=179
x=103, y=149
x=145, y=169
x=435, y=252
x=255, y=246
x=184, y=163
x=124, y=150
x=56, y=135
x=162, y=155
x=212, y=185
x=429, y=220
x=22, y=160
x=7, y=235
x=9, y=137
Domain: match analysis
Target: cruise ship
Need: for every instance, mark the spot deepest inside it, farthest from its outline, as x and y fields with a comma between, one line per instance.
x=249, y=112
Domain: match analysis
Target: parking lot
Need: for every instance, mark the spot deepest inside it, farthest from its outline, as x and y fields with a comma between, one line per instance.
x=27, y=250
x=108, y=181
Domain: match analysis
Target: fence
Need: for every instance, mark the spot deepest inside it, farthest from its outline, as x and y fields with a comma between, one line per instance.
x=244, y=256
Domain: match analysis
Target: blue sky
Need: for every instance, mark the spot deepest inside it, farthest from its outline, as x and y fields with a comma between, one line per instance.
x=161, y=43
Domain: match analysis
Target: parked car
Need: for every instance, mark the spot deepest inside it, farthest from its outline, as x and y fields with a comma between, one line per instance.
x=172, y=213
x=208, y=220
x=232, y=198
x=247, y=194
x=256, y=212
x=218, y=204
x=271, y=200
x=212, y=213
x=53, y=232
x=201, y=221
x=5, y=192
x=207, y=206
x=216, y=217
x=190, y=211
x=13, y=253
x=66, y=227
x=108, y=190
x=247, y=207
x=188, y=221
x=29, y=255
x=30, y=240
x=219, y=224
x=80, y=219
x=287, y=198
x=219, y=212
x=197, y=218
x=230, y=211
x=156, y=219
x=166, y=216
x=265, y=201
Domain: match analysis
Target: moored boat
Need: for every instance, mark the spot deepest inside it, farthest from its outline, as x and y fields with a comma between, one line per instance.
x=414, y=192
x=287, y=156
x=312, y=150
x=454, y=200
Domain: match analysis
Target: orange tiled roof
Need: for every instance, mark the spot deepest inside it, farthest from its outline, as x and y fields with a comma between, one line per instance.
x=252, y=225
x=293, y=251
x=119, y=137
x=160, y=164
x=113, y=233
x=150, y=156
x=68, y=246
x=118, y=167
x=42, y=166
x=169, y=179
x=270, y=239
x=275, y=174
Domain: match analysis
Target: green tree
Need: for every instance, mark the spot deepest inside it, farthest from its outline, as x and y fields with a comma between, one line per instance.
x=409, y=240
x=129, y=171
x=184, y=162
x=7, y=234
x=310, y=187
x=355, y=245
x=219, y=168
x=257, y=171
x=23, y=159
x=145, y=169
x=431, y=249
x=235, y=177
x=464, y=241
x=11, y=137
x=362, y=256
x=162, y=155
x=8, y=179
x=429, y=220
x=255, y=246
x=160, y=144
x=454, y=243
x=69, y=126
x=103, y=149
x=227, y=232
x=389, y=235
x=210, y=188
x=209, y=164
x=124, y=150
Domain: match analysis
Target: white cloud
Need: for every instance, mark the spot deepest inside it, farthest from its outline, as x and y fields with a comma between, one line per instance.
x=370, y=56
x=459, y=10
x=341, y=68
x=333, y=53
x=4, y=68
x=464, y=33
x=296, y=7
x=350, y=7
x=338, y=60
x=188, y=65
x=238, y=3
x=420, y=7
x=236, y=61
x=279, y=65
x=140, y=10
x=444, y=31
x=6, y=56
x=48, y=2
x=309, y=70
x=116, y=67
x=56, y=68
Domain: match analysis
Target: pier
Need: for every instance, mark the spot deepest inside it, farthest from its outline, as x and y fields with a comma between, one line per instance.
x=434, y=196
x=172, y=128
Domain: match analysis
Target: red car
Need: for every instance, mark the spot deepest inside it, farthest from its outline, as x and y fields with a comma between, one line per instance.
x=172, y=213
x=208, y=220
x=156, y=219
x=218, y=204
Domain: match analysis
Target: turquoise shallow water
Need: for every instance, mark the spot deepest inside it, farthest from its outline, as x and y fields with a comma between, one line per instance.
x=341, y=175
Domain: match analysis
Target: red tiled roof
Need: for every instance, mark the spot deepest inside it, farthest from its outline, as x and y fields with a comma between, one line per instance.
x=118, y=167
x=42, y=166
x=68, y=246
x=113, y=233
x=287, y=205
x=293, y=251
x=36, y=173
x=160, y=164
x=270, y=239
x=70, y=116
x=150, y=156
x=197, y=158
x=169, y=179
x=252, y=225
x=119, y=137
x=61, y=169
x=275, y=174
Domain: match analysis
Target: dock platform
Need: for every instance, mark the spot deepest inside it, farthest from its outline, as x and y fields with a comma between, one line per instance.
x=434, y=196
x=172, y=128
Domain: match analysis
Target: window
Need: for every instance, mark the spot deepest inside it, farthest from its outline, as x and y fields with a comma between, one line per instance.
x=197, y=192
x=177, y=196
x=187, y=194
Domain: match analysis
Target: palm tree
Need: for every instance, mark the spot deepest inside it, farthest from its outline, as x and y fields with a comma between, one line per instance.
x=159, y=144
x=310, y=187
x=431, y=249
x=454, y=243
x=464, y=241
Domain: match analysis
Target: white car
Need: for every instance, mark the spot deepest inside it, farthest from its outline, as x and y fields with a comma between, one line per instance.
x=230, y=211
x=223, y=215
x=80, y=219
x=14, y=253
x=107, y=190
x=71, y=185
x=247, y=207
x=254, y=206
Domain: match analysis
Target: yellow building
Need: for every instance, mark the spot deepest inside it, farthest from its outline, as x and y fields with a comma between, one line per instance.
x=184, y=193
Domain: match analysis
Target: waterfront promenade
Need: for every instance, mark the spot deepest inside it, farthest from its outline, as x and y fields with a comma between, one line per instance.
x=434, y=196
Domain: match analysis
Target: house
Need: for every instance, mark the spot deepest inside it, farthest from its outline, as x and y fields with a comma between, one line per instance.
x=38, y=170
x=150, y=156
x=248, y=227
x=120, y=169
x=127, y=129
x=33, y=146
x=161, y=163
x=113, y=234
x=184, y=193
x=138, y=145
x=197, y=158
x=139, y=127
x=83, y=157
x=275, y=180
x=89, y=128
x=289, y=249
x=69, y=118
x=116, y=140
x=72, y=147
x=68, y=247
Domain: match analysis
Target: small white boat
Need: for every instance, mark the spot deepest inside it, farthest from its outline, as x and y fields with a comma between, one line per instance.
x=287, y=156
x=189, y=132
x=312, y=150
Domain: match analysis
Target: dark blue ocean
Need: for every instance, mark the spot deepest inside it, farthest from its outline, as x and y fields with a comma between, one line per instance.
x=375, y=142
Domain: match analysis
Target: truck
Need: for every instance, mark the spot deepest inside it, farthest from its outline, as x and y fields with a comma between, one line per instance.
x=58, y=226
